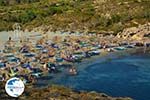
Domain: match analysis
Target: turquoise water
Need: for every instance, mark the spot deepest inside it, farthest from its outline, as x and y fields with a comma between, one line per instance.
x=125, y=76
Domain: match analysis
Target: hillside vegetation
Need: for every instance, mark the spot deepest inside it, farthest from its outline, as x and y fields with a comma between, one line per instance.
x=82, y=15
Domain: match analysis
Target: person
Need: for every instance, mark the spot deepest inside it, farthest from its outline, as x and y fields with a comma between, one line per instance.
x=73, y=71
x=45, y=66
x=28, y=65
x=9, y=39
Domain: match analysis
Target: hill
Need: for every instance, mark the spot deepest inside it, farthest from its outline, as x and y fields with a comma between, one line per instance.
x=81, y=15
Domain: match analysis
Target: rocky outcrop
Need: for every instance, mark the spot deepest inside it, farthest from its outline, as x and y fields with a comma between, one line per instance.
x=62, y=93
x=142, y=32
x=57, y=93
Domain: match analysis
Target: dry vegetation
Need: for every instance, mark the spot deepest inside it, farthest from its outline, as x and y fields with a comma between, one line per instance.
x=87, y=15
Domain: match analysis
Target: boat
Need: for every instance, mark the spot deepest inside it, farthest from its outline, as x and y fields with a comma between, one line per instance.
x=94, y=52
x=119, y=48
x=130, y=46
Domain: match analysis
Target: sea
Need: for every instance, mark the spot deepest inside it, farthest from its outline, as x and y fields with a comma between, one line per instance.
x=118, y=75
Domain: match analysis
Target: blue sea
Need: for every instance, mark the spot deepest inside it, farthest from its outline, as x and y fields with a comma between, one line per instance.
x=126, y=75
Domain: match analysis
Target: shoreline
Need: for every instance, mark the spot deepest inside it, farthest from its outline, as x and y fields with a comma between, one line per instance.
x=104, y=56
x=67, y=45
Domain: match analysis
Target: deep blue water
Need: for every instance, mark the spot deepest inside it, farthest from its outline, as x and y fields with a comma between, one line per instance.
x=126, y=76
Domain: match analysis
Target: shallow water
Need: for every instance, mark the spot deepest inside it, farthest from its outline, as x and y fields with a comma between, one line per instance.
x=126, y=76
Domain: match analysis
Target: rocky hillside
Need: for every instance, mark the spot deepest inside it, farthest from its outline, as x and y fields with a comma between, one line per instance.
x=57, y=93
x=139, y=33
x=74, y=15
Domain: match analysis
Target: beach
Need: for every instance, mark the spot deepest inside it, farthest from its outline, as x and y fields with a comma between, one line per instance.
x=54, y=50
x=54, y=55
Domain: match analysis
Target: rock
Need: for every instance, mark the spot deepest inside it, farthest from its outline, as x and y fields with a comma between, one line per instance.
x=135, y=33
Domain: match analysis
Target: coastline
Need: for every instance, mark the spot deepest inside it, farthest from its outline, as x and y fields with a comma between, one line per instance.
x=52, y=90
x=104, y=54
x=103, y=57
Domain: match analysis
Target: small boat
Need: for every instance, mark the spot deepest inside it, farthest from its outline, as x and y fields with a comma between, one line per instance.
x=119, y=48
x=94, y=52
x=72, y=71
x=130, y=46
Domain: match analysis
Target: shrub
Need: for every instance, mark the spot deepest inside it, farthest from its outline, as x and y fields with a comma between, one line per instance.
x=29, y=15
x=115, y=18
x=55, y=10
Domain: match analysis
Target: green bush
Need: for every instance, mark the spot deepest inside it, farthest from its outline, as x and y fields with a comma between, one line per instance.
x=29, y=15
x=2, y=3
x=147, y=14
x=117, y=27
x=55, y=10
x=115, y=18
x=104, y=21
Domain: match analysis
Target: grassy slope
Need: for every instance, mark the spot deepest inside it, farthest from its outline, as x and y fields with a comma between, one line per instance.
x=92, y=15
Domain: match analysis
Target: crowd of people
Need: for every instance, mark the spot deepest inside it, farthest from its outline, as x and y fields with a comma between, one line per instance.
x=32, y=57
